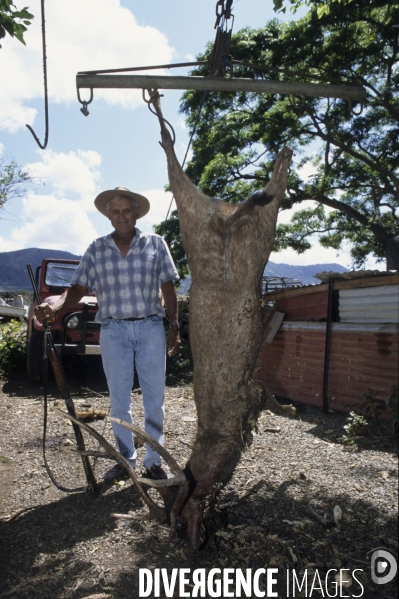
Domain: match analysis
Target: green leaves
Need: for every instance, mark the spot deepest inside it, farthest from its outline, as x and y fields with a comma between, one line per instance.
x=346, y=162
x=12, y=347
x=13, y=21
x=12, y=180
x=170, y=230
x=277, y=5
x=322, y=8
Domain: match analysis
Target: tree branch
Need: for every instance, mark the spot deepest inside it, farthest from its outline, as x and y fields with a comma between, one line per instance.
x=378, y=230
x=373, y=164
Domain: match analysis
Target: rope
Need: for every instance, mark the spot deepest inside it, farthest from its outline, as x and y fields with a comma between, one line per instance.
x=44, y=145
x=204, y=95
x=186, y=154
x=45, y=393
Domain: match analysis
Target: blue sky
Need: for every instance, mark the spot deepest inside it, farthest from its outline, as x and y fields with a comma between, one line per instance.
x=118, y=143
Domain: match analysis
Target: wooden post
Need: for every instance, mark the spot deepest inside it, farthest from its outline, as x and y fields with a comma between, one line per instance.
x=259, y=86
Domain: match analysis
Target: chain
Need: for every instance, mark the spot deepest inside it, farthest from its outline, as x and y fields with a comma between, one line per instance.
x=224, y=14
x=217, y=67
x=220, y=57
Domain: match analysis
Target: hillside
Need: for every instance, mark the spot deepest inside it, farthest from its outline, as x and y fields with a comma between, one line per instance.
x=13, y=273
x=305, y=274
x=273, y=269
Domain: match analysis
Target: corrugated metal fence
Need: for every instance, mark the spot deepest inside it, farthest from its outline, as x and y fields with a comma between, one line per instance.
x=364, y=350
x=370, y=304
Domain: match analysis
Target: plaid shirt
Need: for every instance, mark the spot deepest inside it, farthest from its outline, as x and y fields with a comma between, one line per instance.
x=127, y=287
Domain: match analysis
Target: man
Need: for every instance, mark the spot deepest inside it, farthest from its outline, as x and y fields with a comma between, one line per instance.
x=127, y=268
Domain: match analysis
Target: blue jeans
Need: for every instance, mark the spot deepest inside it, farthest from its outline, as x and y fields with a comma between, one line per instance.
x=139, y=344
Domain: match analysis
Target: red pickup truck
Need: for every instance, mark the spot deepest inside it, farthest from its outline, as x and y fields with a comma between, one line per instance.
x=74, y=331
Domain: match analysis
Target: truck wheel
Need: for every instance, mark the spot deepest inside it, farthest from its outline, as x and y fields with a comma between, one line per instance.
x=35, y=357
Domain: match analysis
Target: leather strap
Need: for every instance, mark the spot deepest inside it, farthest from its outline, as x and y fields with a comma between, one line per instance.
x=45, y=390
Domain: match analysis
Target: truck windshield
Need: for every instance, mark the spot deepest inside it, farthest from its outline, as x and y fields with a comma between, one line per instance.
x=59, y=275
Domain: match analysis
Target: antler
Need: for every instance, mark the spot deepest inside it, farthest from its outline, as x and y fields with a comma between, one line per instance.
x=180, y=480
x=173, y=465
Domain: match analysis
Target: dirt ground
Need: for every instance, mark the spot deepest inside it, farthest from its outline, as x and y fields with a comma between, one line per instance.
x=70, y=546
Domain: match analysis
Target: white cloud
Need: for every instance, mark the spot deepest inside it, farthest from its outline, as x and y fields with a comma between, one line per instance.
x=94, y=34
x=51, y=222
x=74, y=174
x=62, y=214
x=2, y=148
x=307, y=171
x=61, y=218
x=318, y=254
x=181, y=123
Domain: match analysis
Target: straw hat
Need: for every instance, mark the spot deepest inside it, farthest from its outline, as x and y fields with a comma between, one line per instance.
x=103, y=198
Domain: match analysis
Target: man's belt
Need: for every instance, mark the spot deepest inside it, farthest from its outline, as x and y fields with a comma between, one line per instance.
x=131, y=319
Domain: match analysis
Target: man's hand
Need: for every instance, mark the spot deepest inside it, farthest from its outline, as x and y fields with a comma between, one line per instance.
x=44, y=312
x=67, y=300
x=170, y=299
x=174, y=341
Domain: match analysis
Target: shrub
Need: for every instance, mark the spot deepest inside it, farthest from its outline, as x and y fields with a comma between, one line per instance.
x=357, y=426
x=372, y=407
x=12, y=348
x=368, y=422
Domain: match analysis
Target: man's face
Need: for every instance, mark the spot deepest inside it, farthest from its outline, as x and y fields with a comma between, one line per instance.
x=123, y=216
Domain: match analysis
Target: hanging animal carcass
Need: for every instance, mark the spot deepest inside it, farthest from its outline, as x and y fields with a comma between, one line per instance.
x=227, y=248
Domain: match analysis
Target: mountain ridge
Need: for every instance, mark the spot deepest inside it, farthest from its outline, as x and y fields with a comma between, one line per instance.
x=13, y=273
x=305, y=274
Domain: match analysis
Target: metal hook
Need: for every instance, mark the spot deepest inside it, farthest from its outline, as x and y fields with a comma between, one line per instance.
x=154, y=95
x=352, y=111
x=43, y=147
x=85, y=103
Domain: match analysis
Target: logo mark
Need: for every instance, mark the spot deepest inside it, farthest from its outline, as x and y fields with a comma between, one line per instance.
x=383, y=562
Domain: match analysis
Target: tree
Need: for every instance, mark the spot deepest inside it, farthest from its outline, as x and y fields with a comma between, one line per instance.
x=323, y=8
x=13, y=21
x=12, y=181
x=354, y=152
